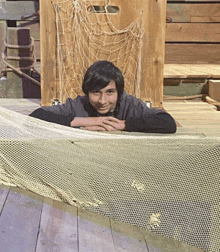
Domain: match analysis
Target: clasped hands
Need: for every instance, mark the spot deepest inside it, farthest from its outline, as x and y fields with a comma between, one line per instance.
x=107, y=123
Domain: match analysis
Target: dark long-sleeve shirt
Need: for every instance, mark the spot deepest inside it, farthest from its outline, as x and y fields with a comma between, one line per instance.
x=138, y=116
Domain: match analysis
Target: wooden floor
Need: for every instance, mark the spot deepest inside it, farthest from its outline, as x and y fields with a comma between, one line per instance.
x=195, y=117
x=192, y=71
x=29, y=222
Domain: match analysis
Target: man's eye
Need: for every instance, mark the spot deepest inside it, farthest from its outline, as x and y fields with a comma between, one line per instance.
x=111, y=91
x=95, y=92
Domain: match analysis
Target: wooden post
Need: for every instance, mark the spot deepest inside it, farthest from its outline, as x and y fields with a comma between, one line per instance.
x=49, y=70
x=15, y=82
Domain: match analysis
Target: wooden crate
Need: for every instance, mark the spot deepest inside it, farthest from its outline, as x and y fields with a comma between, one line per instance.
x=214, y=89
x=152, y=60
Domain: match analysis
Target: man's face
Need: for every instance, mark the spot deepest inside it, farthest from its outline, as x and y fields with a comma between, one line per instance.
x=104, y=100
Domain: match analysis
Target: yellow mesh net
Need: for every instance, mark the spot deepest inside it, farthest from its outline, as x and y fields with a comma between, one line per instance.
x=168, y=184
x=87, y=33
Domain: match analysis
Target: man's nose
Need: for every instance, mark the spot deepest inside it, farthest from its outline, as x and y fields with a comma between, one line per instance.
x=102, y=99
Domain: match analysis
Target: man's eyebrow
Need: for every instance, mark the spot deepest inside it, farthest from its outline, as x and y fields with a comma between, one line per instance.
x=111, y=89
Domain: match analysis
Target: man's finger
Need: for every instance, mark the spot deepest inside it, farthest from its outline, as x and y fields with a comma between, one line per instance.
x=113, y=119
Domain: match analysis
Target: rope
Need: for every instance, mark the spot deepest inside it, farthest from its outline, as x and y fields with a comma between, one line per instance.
x=20, y=69
x=84, y=37
x=191, y=97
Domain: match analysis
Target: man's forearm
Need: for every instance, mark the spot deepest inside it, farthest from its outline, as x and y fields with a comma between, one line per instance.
x=52, y=117
x=82, y=122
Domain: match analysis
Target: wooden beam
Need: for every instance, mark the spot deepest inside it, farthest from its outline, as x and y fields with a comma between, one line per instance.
x=192, y=71
x=49, y=70
x=14, y=10
x=193, y=53
x=193, y=32
x=192, y=12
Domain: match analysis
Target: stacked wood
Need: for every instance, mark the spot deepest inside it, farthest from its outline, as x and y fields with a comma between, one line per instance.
x=192, y=32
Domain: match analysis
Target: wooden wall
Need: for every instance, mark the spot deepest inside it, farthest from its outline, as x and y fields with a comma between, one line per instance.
x=151, y=80
x=193, y=32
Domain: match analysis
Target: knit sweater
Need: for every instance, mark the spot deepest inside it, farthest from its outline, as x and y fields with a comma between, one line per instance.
x=138, y=117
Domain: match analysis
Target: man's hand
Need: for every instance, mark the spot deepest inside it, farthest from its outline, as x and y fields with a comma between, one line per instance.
x=107, y=123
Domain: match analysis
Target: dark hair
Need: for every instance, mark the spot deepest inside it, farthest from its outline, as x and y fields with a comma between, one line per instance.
x=99, y=74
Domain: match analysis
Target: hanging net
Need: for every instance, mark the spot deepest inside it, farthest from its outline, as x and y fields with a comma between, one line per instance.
x=87, y=33
x=168, y=184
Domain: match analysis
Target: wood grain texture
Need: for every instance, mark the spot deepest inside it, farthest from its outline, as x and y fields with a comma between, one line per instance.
x=192, y=32
x=193, y=12
x=153, y=57
x=152, y=50
x=127, y=237
x=179, y=53
x=94, y=232
x=49, y=74
x=214, y=89
x=192, y=71
x=19, y=221
x=58, y=227
x=3, y=195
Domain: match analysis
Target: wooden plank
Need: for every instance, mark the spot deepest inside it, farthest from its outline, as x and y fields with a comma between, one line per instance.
x=49, y=71
x=193, y=12
x=192, y=32
x=159, y=243
x=58, y=227
x=153, y=53
x=94, y=232
x=19, y=221
x=177, y=12
x=193, y=70
x=178, y=53
x=127, y=237
x=3, y=195
x=14, y=10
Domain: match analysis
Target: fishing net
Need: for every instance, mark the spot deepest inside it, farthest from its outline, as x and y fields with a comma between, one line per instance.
x=87, y=33
x=168, y=184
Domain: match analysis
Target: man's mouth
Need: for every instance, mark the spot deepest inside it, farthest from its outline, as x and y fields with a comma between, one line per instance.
x=103, y=108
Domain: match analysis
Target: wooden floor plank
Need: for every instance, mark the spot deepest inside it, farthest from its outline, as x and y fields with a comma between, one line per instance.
x=159, y=243
x=19, y=221
x=58, y=227
x=127, y=237
x=3, y=195
x=191, y=71
x=94, y=232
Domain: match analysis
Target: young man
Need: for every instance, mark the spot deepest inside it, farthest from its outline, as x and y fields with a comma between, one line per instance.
x=106, y=106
